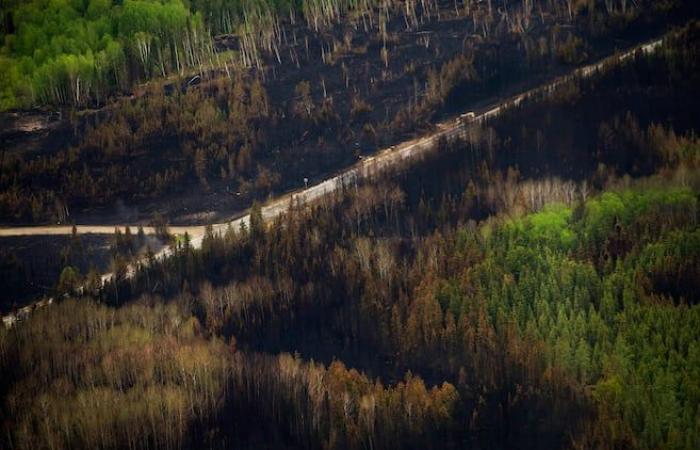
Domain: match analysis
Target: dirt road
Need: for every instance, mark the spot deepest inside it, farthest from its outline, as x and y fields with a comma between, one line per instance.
x=56, y=230
x=363, y=169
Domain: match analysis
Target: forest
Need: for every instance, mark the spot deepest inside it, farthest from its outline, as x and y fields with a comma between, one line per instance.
x=76, y=52
x=531, y=284
x=573, y=326
x=163, y=100
x=589, y=130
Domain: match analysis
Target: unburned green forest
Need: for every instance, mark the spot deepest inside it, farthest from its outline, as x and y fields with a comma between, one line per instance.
x=530, y=285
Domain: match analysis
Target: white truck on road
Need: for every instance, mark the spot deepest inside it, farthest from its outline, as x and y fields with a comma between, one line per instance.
x=467, y=117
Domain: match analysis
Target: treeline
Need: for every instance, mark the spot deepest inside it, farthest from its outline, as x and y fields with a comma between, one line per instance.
x=79, y=53
x=86, y=376
x=573, y=326
x=317, y=407
x=143, y=376
x=259, y=23
x=526, y=314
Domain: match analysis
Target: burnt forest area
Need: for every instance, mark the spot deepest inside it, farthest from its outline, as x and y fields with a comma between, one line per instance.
x=482, y=269
x=332, y=96
x=330, y=309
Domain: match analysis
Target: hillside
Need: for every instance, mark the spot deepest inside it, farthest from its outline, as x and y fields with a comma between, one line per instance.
x=507, y=273
x=533, y=285
x=198, y=146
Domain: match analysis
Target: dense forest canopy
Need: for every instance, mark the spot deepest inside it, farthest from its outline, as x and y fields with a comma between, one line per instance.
x=573, y=326
x=73, y=52
x=532, y=282
x=386, y=316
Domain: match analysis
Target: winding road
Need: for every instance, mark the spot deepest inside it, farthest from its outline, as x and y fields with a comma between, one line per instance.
x=363, y=169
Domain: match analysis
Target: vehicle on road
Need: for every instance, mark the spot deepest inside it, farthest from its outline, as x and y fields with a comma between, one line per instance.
x=467, y=117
